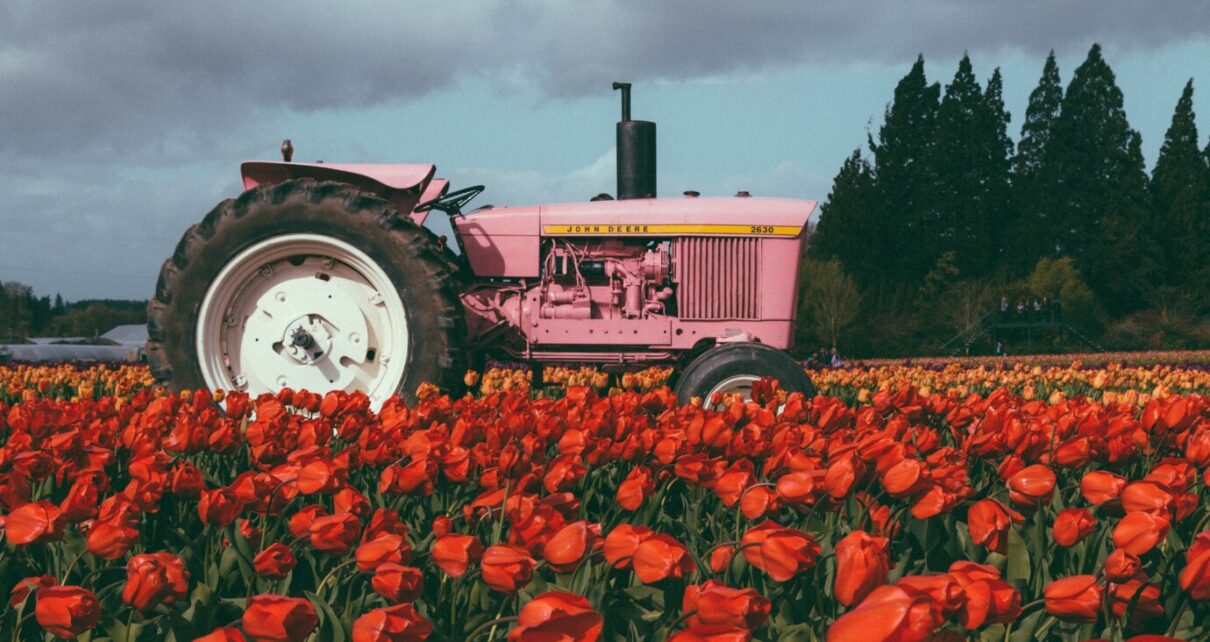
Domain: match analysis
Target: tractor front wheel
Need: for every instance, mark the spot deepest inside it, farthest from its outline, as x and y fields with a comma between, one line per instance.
x=732, y=368
x=307, y=285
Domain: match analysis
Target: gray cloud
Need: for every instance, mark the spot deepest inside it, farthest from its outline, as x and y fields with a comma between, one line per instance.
x=149, y=79
x=104, y=104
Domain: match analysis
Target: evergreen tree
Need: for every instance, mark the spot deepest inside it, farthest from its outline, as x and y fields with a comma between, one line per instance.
x=905, y=229
x=1178, y=186
x=961, y=199
x=844, y=227
x=998, y=161
x=1100, y=186
x=1032, y=233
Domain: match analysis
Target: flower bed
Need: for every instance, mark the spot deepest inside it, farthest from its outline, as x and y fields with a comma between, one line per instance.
x=624, y=517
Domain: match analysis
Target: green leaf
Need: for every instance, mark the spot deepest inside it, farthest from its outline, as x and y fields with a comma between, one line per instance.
x=330, y=628
x=1018, y=558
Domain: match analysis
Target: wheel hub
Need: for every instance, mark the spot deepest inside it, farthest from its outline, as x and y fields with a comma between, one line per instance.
x=307, y=312
x=306, y=339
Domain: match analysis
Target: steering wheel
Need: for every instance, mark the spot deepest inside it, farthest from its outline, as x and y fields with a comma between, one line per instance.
x=451, y=203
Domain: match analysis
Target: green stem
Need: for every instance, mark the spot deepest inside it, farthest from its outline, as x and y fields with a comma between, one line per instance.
x=490, y=624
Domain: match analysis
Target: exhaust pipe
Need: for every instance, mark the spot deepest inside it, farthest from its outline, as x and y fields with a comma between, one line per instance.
x=636, y=152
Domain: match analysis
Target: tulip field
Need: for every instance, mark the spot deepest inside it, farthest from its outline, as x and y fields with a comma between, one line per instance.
x=971, y=502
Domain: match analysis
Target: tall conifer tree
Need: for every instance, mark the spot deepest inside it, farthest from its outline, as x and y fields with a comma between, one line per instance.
x=1178, y=187
x=903, y=163
x=845, y=220
x=998, y=153
x=1033, y=233
x=1101, y=188
x=961, y=161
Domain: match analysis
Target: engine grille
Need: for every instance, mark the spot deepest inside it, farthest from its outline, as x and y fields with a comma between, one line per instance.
x=718, y=278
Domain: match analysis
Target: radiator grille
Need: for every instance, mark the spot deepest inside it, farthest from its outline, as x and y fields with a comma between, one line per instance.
x=718, y=278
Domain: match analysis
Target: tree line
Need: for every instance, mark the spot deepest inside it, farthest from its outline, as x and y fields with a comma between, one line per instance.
x=942, y=217
x=23, y=314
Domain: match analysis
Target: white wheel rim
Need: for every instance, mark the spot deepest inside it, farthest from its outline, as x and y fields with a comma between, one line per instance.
x=738, y=384
x=303, y=311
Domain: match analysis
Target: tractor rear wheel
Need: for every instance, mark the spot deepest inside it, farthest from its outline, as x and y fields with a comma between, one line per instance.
x=307, y=285
x=733, y=368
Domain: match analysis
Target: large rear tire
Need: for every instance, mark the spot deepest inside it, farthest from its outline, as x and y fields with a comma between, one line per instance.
x=734, y=367
x=307, y=284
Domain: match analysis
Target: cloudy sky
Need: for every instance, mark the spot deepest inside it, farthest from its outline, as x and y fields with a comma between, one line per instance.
x=123, y=122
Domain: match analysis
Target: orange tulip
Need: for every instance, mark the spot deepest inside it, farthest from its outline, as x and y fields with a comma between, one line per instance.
x=1031, y=485
x=780, y=552
x=67, y=611
x=1099, y=486
x=1139, y=532
x=568, y=547
x=888, y=614
x=1195, y=577
x=397, y=583
x=660, y=557
x=556, y=615
x=718, y=604
x=1074, y=599
x=861, y=566
x=507, y=568
x=275, y=562
x=1072, y=525
x=34, y=523
x=399, y=623
x=454, y=552
x=276, y=618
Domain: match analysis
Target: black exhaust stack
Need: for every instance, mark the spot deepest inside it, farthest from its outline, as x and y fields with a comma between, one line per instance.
x=636, y=152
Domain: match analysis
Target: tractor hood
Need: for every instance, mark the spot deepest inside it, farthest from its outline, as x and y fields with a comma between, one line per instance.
x=728, y=216
x=402, y=185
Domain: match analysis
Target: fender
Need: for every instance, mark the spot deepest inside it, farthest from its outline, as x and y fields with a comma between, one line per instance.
x=401, y=185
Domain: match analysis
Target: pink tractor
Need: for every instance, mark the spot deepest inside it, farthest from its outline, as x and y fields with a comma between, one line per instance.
x=325, y=277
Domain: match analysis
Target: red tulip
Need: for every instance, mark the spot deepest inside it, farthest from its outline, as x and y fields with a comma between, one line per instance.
x=380, y=550
x=1074, y=599
x=34, y=523
x=507, y=568
x=276, y=618
x=399, y=623
x=712, y=633
x=1031, y=485
x=397, y=583
x=219, y=506
x=637, y=486
x=275, y=562
x=319, y=476
x=986, y=599
x=621, y=543
x=223, y=634
x=81, y=501
x=1100, y=486
x=29, y=585
x=110, y=539
x=1148, y=497
x=1195, y=577
x=718, y=604
x=67, y=611
x=660, y=557
x=988, y=522
x=888, y=614
x=1121, y=566
x=454, y=552
x=1072, y=525
x=146, y=582
x=568, y=547
x=335, y=533
x=720, y=558
x=300, y=522
x=861, y=566
x=555, y=615
x=1143, y=595
x=1139, y=532
x=780, y=552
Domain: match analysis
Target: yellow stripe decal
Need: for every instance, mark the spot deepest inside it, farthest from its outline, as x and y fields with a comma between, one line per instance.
x=593, y=229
